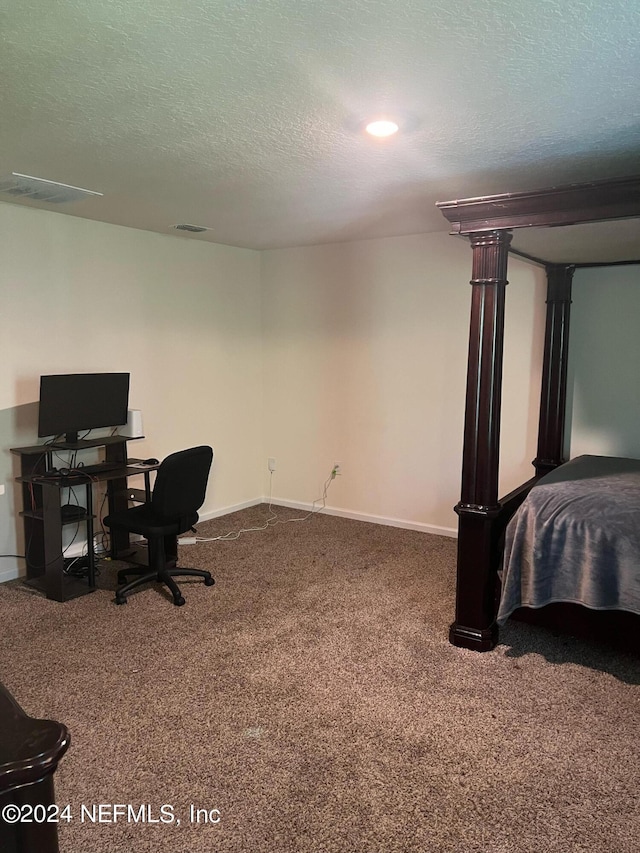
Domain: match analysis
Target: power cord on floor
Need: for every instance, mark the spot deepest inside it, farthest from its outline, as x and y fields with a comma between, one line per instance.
x=273, y=518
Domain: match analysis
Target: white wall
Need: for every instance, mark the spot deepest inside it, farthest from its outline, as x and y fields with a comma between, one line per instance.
x=182, y=317
x=604, y=354
x=365, y=347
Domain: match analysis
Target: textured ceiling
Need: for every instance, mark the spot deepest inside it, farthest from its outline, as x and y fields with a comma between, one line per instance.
x=242, y=116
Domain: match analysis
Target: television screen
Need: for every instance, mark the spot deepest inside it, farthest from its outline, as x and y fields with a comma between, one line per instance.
x=73, y=402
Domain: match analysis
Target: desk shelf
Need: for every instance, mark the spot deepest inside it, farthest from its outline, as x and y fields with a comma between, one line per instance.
x=32, y=513
x=43, y=521
x=39, y=515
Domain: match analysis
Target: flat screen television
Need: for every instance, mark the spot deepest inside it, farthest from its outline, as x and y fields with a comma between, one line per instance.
x=73, y=402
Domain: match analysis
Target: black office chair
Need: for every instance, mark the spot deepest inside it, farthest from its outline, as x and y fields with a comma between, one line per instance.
x=178, y=494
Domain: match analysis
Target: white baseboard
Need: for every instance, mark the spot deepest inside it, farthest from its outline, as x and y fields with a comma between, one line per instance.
x=10, y=574
x=226, y=510
x=14, y=572
x=372, y=519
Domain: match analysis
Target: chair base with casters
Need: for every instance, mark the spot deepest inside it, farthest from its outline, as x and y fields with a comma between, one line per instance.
x=177, y=495
x=164, y=572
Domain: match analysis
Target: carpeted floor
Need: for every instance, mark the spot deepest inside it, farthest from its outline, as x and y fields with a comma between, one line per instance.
x=311, y=696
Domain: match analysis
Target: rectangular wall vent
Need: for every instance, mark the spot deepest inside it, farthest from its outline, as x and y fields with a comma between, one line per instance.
x=39, y=189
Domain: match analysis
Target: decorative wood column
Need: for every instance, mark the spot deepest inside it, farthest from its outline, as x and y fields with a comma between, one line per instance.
x=553, y=394
x=30, y=750
x=487, y=221
x=474, y=626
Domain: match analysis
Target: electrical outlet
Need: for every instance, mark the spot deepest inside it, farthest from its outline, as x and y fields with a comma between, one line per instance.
x=1, y=488
x=272, y=463
x=336, y=470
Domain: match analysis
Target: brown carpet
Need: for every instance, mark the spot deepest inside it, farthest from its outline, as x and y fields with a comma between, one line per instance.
x=312, y=697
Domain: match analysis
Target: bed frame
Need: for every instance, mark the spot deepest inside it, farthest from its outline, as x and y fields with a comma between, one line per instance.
x=488, y=222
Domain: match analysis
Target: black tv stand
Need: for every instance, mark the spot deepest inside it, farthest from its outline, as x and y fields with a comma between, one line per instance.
x=43, y=516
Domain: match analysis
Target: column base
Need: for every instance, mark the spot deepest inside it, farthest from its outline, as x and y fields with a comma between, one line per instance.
x=476, y=639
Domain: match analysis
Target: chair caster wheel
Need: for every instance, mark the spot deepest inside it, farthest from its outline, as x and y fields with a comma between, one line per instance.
x=120, y=599
x=179, y=601
x=209, y=581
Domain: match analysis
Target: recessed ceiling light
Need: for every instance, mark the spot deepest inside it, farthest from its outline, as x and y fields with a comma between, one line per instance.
x=382, y=127
x=381, y=124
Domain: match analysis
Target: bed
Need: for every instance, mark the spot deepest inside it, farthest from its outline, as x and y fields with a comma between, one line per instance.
x=490, y=223
x=576, y=538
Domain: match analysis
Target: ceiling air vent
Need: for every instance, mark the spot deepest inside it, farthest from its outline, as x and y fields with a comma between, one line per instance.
x=194, y=229
x=39, y=189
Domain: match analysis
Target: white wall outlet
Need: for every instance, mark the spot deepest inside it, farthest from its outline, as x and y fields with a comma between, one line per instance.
x=1, y=488
x=272, y=463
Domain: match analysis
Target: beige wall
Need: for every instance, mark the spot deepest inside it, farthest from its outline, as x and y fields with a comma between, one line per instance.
x=365, y=347
x=352, y=352
x=604, y=353
x=182, y=317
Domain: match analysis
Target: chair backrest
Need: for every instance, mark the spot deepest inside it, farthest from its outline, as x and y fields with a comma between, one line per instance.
x=181, y=483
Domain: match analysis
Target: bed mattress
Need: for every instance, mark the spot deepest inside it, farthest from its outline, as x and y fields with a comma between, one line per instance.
x=576, y=538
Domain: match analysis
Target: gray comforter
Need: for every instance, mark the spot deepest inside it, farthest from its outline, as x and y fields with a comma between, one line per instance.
x=576, y=538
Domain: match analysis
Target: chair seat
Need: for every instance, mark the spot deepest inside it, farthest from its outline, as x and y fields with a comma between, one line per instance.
x=143, y=520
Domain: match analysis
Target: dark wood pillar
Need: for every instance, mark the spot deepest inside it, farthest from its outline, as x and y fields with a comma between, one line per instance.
x=29, y=754
x=474, y=626
x=553, y=395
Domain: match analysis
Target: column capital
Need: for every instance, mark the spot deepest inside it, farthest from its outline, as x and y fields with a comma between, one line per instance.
x=559, y=280
x=491, y=238
x=490, y=254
